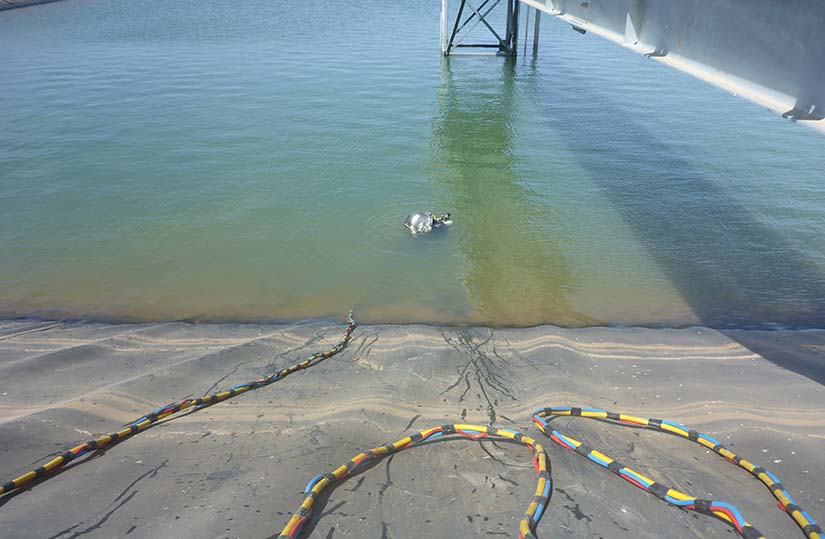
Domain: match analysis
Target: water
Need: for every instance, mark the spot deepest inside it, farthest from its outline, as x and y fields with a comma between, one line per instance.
x=217, y=160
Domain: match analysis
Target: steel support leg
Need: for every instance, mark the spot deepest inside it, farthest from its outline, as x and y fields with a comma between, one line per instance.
x=452, y=39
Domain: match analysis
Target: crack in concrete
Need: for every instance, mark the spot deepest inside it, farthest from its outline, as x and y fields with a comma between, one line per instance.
x=125, y=497
x=387, y=484
x=362, y=354
x=268, y=368
x=410, y=424
x=481, y=369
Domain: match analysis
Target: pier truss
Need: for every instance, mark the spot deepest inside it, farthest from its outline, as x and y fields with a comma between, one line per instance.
x=770, y=52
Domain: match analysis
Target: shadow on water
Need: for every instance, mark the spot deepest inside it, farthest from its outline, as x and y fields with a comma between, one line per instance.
x=735, y=272
x=515, y=272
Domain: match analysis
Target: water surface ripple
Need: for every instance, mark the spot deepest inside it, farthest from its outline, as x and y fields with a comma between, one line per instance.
x=215, y=160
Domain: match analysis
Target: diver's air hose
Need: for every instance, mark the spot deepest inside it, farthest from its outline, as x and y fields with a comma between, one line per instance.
x=358, y=463
x=527, y=526
x=672, y=496
x=164, y=412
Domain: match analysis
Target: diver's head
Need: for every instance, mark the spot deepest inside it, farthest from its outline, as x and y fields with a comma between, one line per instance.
x=447, y=218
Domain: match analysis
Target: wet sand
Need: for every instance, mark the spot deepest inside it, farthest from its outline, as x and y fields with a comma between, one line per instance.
x=238, y=469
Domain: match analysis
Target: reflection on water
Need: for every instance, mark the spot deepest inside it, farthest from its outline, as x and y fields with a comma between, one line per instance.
x=511, y=244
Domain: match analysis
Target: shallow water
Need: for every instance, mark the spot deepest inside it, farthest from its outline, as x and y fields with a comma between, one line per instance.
x=218, y=160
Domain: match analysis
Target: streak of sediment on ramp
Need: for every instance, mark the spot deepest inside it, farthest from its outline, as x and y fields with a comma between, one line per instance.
x=14, y=4
x=238, y=469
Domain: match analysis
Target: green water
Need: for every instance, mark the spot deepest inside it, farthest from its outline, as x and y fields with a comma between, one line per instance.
x=217, y=160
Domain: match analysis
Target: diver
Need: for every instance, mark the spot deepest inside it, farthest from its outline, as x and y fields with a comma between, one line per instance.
x=426, y=222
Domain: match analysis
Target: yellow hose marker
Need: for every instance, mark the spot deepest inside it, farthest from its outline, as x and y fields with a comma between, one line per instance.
x=631, y=419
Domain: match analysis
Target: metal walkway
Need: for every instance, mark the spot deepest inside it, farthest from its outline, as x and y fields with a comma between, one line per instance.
x=770, y=52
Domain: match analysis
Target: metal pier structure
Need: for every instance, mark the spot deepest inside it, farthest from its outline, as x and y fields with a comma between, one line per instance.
x=770, y=52
x=470, y=17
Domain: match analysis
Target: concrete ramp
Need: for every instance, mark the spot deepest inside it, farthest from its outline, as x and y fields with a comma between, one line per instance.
x=238, y=469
